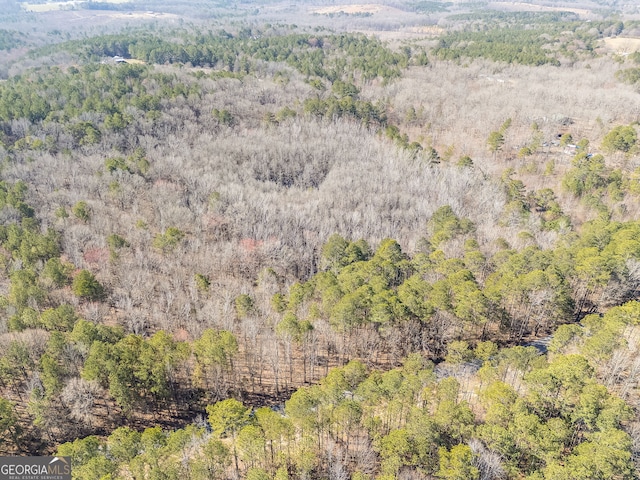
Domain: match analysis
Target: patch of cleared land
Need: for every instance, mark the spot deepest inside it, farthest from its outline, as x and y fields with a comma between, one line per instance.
x=101, y=17
x=622, y=45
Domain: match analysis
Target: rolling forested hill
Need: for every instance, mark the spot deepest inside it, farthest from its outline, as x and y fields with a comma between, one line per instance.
x=353, y=241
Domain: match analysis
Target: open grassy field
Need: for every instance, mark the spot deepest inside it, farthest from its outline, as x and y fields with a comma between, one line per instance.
x=622, y=45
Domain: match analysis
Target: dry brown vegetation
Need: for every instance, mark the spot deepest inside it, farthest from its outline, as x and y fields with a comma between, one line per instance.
x=451, y=102
x=257, y=196
x=622, y=45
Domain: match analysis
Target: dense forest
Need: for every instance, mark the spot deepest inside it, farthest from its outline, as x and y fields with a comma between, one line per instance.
x=393, y=242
